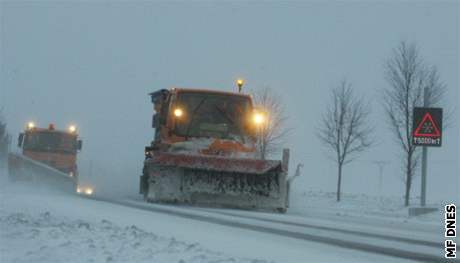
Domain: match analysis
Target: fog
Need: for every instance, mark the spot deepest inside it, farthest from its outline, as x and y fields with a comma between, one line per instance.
x=93, y=64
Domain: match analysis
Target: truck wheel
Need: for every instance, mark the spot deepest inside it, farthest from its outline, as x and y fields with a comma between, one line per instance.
x=12, y=177
x=146, y=192
x=144, y=183
x=281, y=210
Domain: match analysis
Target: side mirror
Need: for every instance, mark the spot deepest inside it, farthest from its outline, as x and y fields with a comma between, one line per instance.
x=20, y=139
x=79, y=144
x=148, y=152
x=155, y=120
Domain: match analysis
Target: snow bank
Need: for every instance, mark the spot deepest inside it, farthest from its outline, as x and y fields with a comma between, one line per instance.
x=309, y=202
x=41, y=225
x=45, y=237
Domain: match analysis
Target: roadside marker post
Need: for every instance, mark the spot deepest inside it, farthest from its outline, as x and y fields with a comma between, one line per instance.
x=426, y=132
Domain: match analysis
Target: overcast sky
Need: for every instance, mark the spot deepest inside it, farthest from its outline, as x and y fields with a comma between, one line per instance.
x=93, y=63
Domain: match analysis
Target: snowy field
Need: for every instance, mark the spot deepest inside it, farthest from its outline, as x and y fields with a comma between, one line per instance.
x=360, y=205
x=43, y=225
x=36, y=227
x=46, y=237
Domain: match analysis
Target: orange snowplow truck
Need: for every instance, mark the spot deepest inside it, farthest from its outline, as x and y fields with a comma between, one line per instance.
x=204, y=152
x=48, y=155
x=56, y=148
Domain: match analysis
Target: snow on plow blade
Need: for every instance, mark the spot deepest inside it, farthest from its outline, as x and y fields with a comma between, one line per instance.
x=24, y=169
x=213, y=163
x=217, y=181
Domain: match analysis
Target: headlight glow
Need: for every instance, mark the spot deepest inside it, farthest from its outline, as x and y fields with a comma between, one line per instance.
x=78, y=190
x=72, y=128
x=259, y=118
x=178, y=112
x=30, y=125
x=88, y=191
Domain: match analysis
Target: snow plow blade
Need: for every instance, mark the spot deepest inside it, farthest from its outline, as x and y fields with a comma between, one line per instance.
x=216, y=181
x=24, y=169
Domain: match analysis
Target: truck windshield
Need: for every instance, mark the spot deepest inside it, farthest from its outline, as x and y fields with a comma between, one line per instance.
x=50, y=142
x=212, y=115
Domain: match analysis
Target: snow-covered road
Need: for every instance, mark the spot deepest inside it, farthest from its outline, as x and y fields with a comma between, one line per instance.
x=400, y=244
x=42, y=226
x=50, y=238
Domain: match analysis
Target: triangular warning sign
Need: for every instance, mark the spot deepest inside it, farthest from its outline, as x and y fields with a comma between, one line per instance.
x=427, y=127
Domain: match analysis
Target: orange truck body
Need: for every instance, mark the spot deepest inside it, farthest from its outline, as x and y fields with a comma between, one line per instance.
x=55, y=148
x=204, y=152
x=168, y=136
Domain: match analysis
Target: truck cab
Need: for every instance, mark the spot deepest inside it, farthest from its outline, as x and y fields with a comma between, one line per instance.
x=228, y=118
x=55, y=148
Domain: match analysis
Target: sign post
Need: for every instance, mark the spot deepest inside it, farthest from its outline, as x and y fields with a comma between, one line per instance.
x=423, y=190
x=424, y=159
x=427, y=132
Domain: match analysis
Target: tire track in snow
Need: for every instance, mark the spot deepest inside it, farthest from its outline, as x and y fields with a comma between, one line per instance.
x=326, y=228
x=343, y=243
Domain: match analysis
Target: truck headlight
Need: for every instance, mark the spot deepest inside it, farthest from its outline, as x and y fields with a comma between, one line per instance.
x=30, y=125
x=178, y=112
x=259, y=118
x=72, y=128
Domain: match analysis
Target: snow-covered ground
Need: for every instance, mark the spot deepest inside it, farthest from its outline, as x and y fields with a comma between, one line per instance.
x=42, y=225
x=45, y=237
x=319, y=203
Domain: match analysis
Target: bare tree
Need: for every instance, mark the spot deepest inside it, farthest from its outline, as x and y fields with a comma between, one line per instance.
x=408, y=77
x=273, y=131
x=344, y=128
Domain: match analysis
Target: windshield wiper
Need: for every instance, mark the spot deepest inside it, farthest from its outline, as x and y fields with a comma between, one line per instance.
x=224, y=113
x=193, y=116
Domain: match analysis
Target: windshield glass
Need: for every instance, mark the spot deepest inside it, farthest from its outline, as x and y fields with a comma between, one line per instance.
x=50, y=141
x=212, y=115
